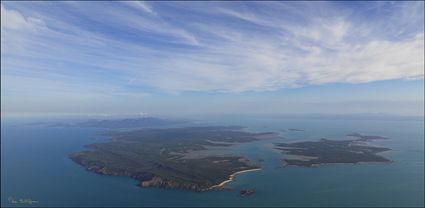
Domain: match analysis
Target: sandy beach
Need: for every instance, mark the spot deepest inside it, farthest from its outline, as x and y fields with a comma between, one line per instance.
x=232, y=176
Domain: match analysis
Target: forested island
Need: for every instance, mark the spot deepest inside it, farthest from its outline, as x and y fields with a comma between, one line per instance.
x=325, y=151
x=171, y=157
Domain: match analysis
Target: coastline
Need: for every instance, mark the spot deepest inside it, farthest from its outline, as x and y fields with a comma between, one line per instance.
x=231, y=177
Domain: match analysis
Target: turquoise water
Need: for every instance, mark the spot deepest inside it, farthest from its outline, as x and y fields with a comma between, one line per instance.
x=35, y=165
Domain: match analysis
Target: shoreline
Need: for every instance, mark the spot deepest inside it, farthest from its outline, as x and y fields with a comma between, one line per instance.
x=232, y=176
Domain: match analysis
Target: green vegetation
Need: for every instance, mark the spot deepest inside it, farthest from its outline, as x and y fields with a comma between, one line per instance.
x=155, y=157
x=333, y=151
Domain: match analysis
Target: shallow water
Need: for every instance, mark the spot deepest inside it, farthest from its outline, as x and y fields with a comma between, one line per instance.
x=35, y=165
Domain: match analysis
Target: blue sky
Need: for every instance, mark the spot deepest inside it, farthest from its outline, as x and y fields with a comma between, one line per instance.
x=181, y=58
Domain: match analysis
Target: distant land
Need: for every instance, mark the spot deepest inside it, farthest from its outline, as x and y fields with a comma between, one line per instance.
x=295, y=129
x=358, y=116
x=171, y=157
x=142, y=122
x=325, y=151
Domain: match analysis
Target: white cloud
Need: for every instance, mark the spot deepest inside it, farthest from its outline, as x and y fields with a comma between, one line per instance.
x=268, y=52
x=257, y=65
x=141, y=5
x=376, y=60
x=11, y=19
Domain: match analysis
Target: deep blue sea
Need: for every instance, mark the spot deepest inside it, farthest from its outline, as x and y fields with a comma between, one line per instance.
x=35, y=165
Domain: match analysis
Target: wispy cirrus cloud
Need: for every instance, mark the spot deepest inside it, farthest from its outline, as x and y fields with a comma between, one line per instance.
x=233, y=48
x=140, y=5
x=94, y=50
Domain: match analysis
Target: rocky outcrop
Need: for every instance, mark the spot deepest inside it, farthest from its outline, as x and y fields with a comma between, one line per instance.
x=164, y=183
x=247, y=192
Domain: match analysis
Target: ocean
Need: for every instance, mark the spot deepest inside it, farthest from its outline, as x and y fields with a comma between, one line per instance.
x=35, y=166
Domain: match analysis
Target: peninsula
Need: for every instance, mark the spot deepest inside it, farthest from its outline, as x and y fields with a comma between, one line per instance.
x=171, y=157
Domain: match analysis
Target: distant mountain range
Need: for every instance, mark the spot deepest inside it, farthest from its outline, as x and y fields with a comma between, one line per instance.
x=143, y=122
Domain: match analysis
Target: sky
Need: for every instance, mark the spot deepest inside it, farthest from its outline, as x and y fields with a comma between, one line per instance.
x=184, y=58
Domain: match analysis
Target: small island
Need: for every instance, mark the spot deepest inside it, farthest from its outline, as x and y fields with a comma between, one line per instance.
x=295, y=129
x=172, y=157
x=325, y=151
x=246, y=192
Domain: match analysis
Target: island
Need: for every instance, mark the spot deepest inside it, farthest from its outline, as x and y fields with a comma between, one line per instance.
x=194, y=158
x=296, y=129
x=325, y=151
x=246, y=192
